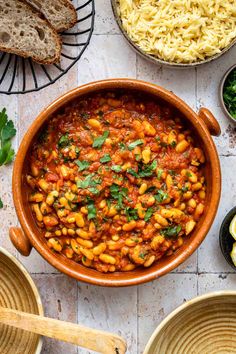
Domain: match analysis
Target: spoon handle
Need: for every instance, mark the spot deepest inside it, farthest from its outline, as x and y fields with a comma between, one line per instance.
x=100, y=341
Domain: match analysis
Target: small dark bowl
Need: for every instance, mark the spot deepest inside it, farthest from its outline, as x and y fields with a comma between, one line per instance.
x=226, y=240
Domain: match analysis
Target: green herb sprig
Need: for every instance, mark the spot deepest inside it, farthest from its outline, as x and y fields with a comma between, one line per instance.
x=7, y=132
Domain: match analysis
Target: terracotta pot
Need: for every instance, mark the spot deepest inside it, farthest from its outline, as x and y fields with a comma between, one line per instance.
x=204, y=125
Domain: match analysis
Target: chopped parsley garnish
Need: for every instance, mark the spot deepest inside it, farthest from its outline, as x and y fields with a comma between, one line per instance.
x=147, y=170
x=148, y=214
x=88, y=182
x=116, y=168
x=108, y=203
x=135, y=143
x=94, y=190
x=122, y=146
x=100, y=140
x=143, y=170
x=132, y=172
x=159, y=174
x=92, y=211
x=142, y=255
x=63, y=141
x=188, y=174
x=83, y=165
x=161, y=196
x=171, y=231
x=173, y=144
x=118, y=194
x=1, y=204
x=137, y=157
x=184, y=189
x=77, y=151
x=105, y=158
x=131, y=214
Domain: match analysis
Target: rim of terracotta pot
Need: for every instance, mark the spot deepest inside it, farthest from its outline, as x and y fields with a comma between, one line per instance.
x=138, y=276
x=179, y=309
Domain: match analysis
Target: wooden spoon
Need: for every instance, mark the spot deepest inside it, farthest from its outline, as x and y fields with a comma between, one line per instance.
x=102, y=342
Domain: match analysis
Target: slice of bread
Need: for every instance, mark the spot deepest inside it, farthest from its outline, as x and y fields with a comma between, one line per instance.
x=24, y=32
x=60, y=13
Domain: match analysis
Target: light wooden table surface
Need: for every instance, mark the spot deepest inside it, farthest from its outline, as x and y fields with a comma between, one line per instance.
x=131, y=312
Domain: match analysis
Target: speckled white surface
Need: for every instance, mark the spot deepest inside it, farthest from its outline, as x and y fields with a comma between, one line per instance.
x=132, y=312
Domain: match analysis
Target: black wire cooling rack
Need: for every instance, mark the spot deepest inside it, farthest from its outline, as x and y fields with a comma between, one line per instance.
x=19, y=75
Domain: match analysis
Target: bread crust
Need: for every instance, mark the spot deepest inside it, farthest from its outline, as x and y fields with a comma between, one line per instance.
x=74, y=17
x=56, y=37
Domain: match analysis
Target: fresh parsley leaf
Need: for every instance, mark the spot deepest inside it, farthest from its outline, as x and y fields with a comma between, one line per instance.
x=63, y=141
x=142, y=255
x=108, y=204
x=132, y=172
x=161, y=196
x=77, y=151
x=7, y=132
x=143, y=170
x=159, y=174
x=137, y=157
x=116, y=168
x=94, y=190
x=173, y=144
x=92, y=211
x=105, y=158
x=171, y=231
x=118, y=194
x=148, y=214
x=131, y=214
x=189, y=174
x=83, y=165
x=184, y=189
x=1, y=204
x=88, y=182
x=99, y=141
x=122, y=146
x=147, y=170
x=135, y=143
x=3, y=118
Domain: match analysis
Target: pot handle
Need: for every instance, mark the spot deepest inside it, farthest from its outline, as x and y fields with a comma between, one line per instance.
x=210, y=121
x=20, y=241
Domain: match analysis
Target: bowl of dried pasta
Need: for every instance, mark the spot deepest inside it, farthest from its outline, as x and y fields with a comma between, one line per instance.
x=177, y=33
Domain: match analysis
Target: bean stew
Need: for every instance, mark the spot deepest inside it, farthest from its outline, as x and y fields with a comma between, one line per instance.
x=117, y=181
